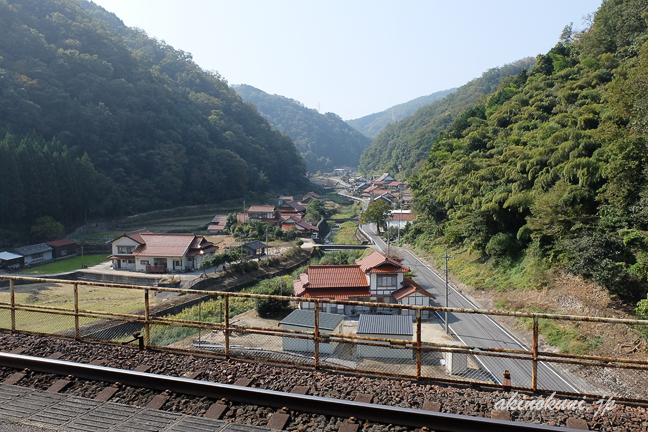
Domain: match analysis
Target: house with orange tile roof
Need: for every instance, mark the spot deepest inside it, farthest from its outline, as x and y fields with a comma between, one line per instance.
x=376, y=278
x=296, y=223
x=145, y=251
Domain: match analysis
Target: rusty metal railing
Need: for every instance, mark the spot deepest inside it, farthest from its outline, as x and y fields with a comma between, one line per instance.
x=417, y=345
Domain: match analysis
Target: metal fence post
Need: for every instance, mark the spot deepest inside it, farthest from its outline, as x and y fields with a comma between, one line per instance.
x=77, y=331
x=534, y=364
x=316, y=336
x=13, y=304
x=418, y=343
x=226, y=331
x=147, y=322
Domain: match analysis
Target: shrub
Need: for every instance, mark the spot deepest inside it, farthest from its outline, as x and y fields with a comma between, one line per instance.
x=502, y=244
x=280, y=286
x=604, y=260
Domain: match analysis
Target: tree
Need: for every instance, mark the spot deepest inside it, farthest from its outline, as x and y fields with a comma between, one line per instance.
x=46, y=228
x=315, y=211
x=377, y=212
x=279, y=286
x=231, y=221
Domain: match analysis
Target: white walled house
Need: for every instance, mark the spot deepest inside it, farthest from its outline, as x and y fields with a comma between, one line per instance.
x=35, y=254
x=375, y=278
x=159, y=253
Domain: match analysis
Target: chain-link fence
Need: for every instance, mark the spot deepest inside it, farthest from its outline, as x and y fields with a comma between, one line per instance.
x=546, y=352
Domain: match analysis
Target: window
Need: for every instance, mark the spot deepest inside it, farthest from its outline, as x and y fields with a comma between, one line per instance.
x=386, y=281
x=125, y=249
x=177, y=263
x=144, y=262
x=63, y=252
x=131, y=261
x=37, y=256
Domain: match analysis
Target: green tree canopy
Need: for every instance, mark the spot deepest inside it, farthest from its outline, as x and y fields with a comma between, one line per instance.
x=377, y=212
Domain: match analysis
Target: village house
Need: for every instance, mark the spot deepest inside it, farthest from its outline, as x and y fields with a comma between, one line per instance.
x=309, y=197
x=385, y=178
x=265, y=213
x=11, y=261
x=283, y=199
x=375, y=278
x=35, y=254
x=296, y=223
x=62, y=248
x=292, y=208
x=255, y=248
x=399, y=218
x=217, y=224
x=147, y=252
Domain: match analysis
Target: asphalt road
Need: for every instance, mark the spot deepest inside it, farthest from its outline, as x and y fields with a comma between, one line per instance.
x=480, y=330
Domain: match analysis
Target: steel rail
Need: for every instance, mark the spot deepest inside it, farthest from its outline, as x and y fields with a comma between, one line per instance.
x=255, y=396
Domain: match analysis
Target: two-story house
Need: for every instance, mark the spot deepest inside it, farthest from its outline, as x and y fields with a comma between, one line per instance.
x=144, y=251
x=375, y=278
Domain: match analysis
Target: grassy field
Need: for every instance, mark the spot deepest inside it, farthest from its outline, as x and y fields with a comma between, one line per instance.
x=345, y=234
x=65, y=265
x=62, y=296
x=346, y=211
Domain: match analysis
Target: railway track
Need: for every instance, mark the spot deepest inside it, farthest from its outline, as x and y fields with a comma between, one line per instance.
x=256, y=393
x=287, y=403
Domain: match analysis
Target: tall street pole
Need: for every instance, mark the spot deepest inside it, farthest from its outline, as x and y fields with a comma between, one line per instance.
x=446, y=257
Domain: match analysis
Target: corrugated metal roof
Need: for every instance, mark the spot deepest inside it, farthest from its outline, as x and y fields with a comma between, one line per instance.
x=261, y=209
x=7, y=256
x=305, y=318
x=385, y=325
x=255, y=244
x=59, y=243
x=33, y=249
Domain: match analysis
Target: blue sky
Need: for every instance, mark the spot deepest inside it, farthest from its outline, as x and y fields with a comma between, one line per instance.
x=353, y=57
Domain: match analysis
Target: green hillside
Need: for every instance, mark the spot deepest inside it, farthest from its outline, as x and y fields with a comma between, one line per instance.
x=324, y=140
x=402, y=147
x=552, y=168
x=98, y=119
x=372, y=124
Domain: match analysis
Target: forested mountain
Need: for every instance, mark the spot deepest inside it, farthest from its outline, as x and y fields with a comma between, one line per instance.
x=324, y=140
x=554, y=164
x=373, y=124
x=402, y=147
x=100, y=119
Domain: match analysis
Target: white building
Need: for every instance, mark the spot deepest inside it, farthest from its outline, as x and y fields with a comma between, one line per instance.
x=159, y=253
x=376, y=278
x=35, y=254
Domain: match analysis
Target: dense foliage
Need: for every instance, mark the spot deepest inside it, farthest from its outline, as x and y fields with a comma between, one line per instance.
x=105, y=120
x=555, y=162
x=401, y=147
x=324, y=140
x=372, y=124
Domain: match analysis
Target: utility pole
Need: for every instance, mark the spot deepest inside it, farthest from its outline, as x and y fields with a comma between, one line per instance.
x=446, y=257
